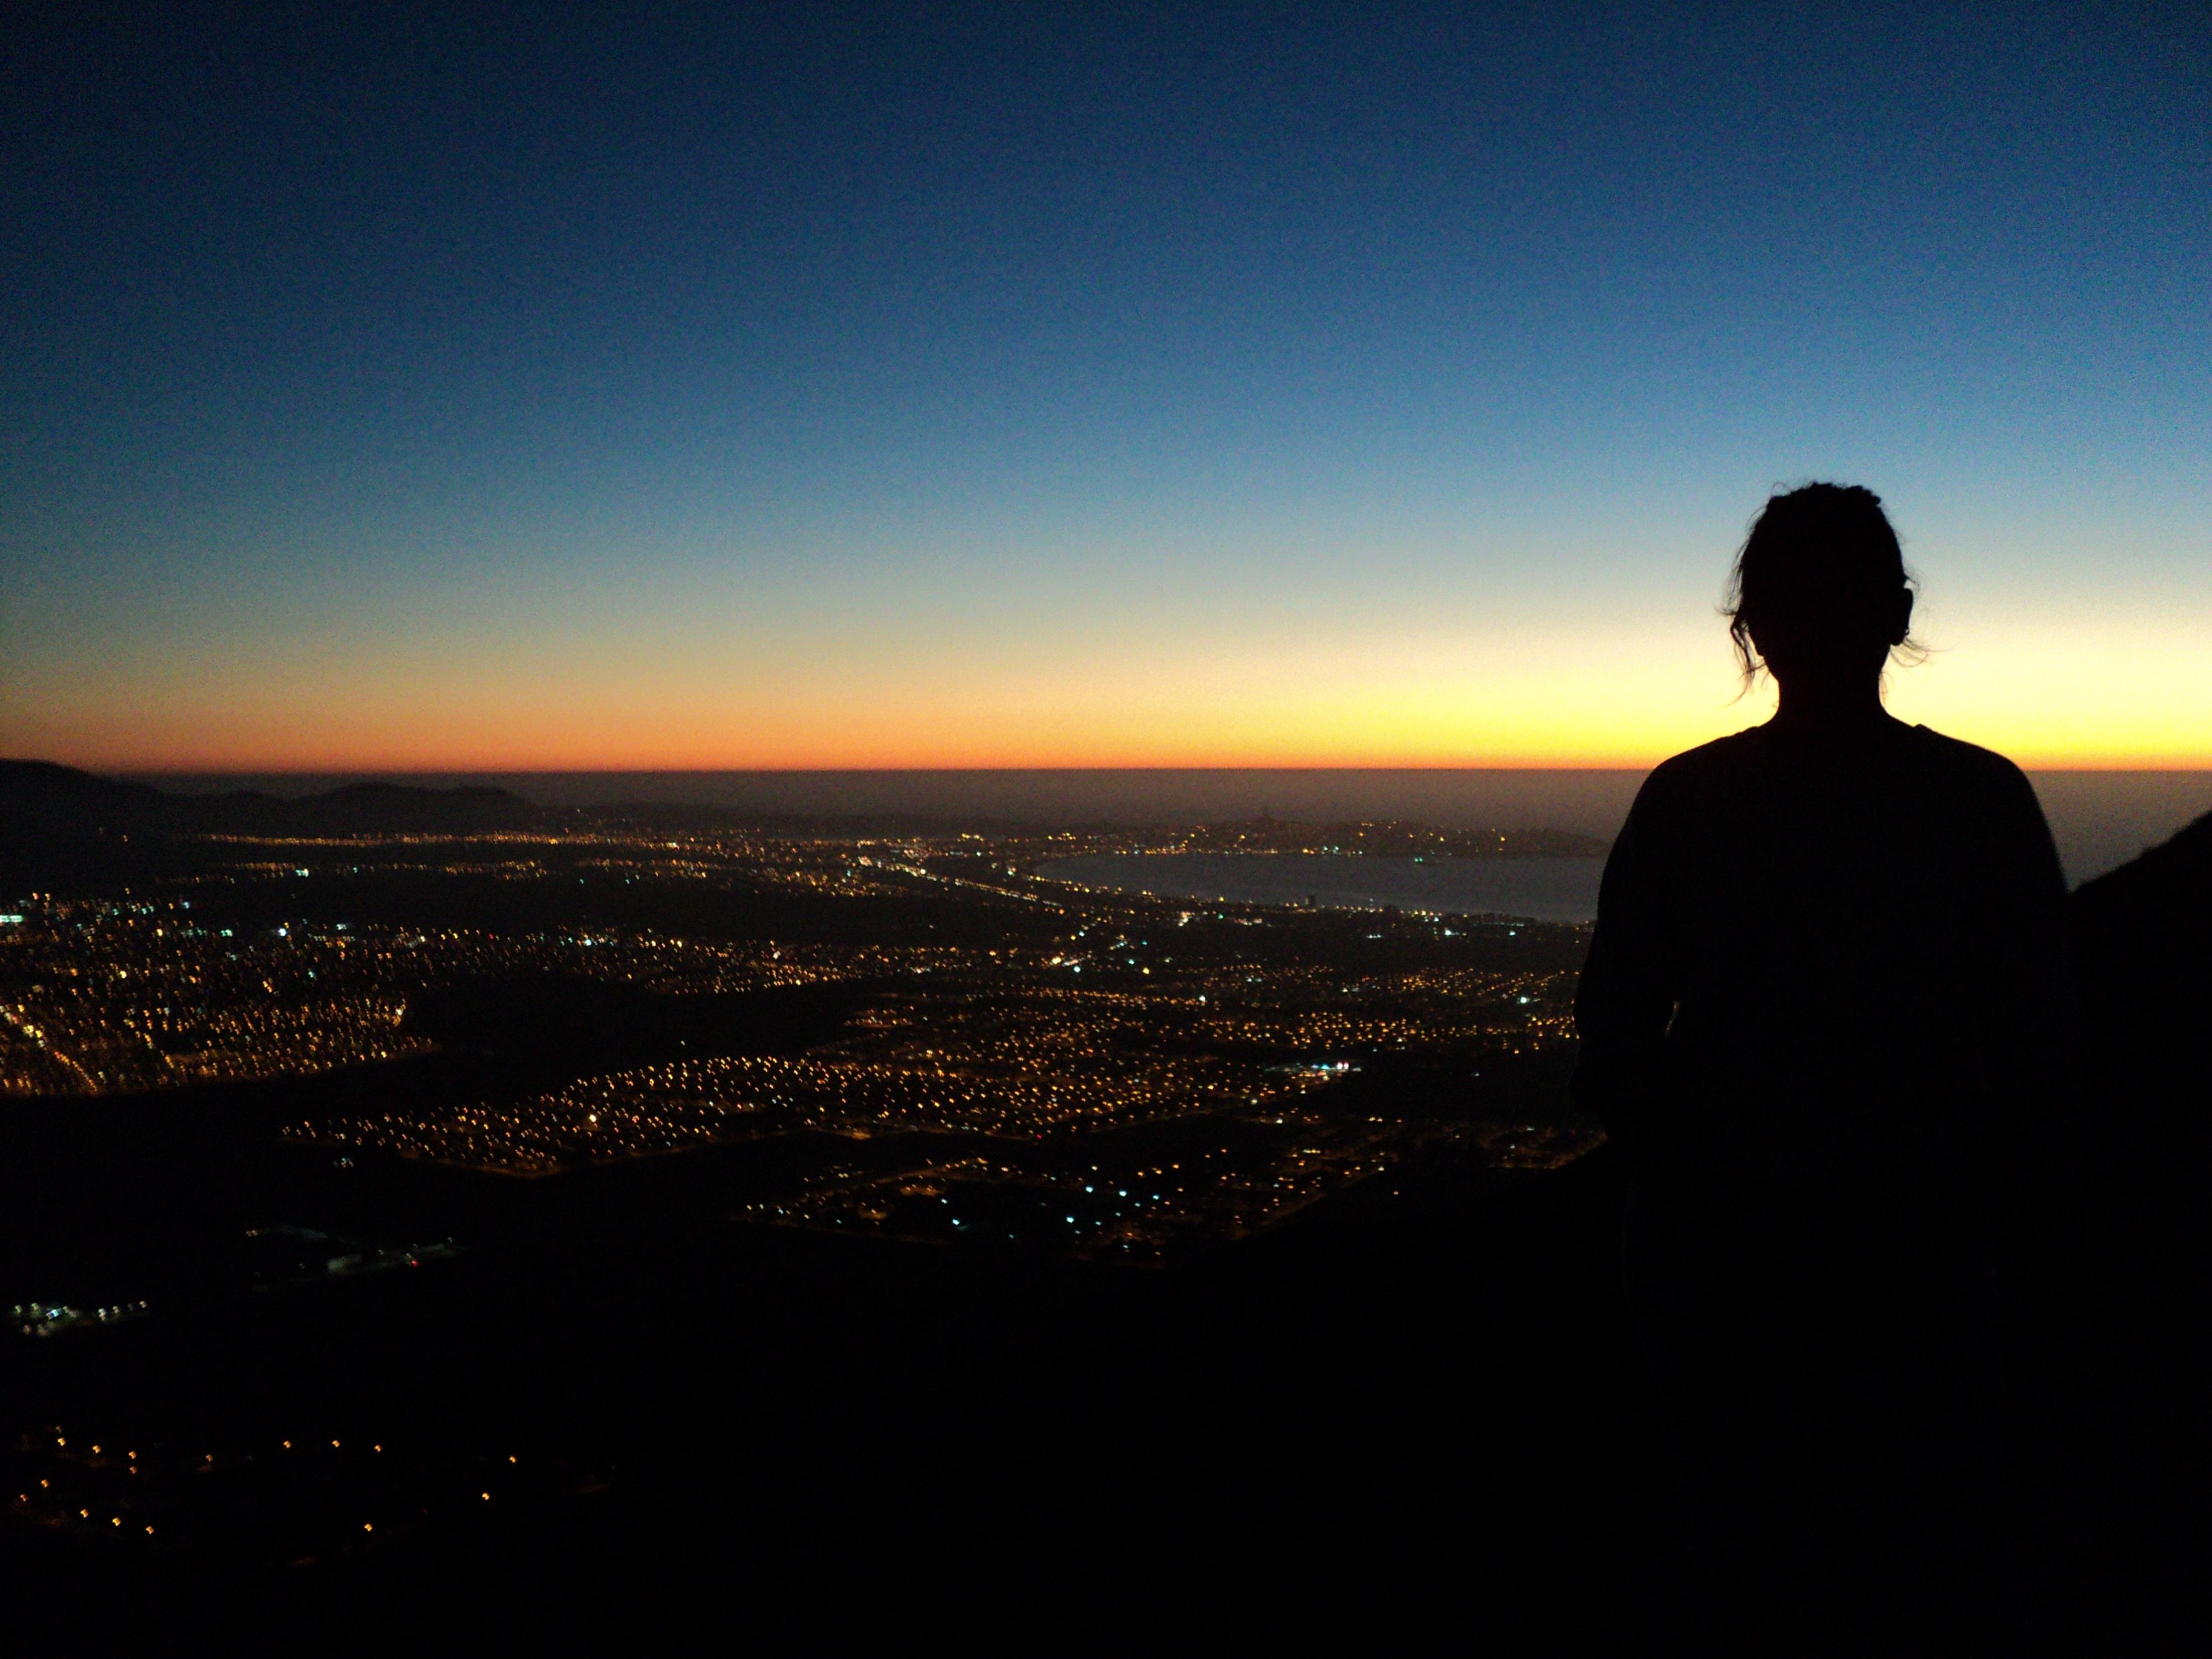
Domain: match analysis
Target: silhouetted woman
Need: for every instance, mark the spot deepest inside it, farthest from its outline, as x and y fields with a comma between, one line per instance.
x=1827, y=984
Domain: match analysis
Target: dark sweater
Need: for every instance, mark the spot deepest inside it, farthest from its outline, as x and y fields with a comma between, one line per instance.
x=1832, y=969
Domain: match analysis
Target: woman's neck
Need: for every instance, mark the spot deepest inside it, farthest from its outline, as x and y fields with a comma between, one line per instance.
x=1818, y=709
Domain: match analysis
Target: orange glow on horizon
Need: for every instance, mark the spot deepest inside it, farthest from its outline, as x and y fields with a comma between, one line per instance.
x=1626, y=698
x=660, y=745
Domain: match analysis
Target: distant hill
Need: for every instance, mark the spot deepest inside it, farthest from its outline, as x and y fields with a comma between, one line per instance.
x=39, y=797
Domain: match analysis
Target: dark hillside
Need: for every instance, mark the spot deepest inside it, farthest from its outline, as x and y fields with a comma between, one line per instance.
x=2142, y=945
x=1389, y=1424
x=39, y=797
x=2118, y=1234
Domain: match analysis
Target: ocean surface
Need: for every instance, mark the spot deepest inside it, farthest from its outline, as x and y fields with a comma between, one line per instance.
x=1545, y=890
x=2101, y=819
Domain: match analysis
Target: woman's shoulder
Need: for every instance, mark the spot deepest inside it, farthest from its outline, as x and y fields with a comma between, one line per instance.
x=1693, y=781
x=1967, y=764
x=1748, y=758
x=1723, y=757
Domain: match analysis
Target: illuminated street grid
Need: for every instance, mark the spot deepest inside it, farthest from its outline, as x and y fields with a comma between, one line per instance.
x=1068, y=1013
x=1136, y=1215
x=102, y=998
x=983, y=1052
x=110, y=998
x=664, y=1108
x=1139, y=1215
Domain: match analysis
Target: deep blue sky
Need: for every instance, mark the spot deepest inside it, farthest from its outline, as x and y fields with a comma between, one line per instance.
x=1053, y=384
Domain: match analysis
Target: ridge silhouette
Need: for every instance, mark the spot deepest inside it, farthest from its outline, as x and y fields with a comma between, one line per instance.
x=42, y=798
x=1824, y=1004
x=2114, y=1249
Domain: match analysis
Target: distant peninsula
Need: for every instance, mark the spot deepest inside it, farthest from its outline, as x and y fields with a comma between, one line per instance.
x=1392, y=838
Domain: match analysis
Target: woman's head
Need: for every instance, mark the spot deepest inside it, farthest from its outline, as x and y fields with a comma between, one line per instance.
x=1820, y=589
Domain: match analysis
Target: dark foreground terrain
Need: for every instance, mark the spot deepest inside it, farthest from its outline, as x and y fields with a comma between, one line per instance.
x=1409, y=1417
x=1400, y=1417
x=385, y=1401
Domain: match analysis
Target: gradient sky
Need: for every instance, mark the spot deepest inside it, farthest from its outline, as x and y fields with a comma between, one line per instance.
x=1070, y=385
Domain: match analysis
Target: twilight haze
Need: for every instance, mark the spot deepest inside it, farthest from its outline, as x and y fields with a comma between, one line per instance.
x=1099, y=386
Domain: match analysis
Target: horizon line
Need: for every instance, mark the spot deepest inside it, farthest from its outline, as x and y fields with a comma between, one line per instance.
x=1101, y=768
